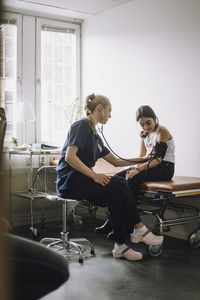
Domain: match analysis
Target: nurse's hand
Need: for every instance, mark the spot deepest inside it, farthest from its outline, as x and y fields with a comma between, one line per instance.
x=101, y=179
x=131, y=173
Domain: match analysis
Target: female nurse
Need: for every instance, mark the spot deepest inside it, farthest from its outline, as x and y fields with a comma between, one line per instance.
x=77, y=180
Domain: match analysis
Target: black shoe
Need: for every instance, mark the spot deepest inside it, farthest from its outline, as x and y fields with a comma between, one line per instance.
x=110, y=236
x=105, y=228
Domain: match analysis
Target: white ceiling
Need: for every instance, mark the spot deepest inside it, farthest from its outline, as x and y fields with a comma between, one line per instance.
x=71, y=8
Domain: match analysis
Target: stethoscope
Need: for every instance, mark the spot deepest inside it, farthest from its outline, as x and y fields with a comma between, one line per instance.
x=100, y=128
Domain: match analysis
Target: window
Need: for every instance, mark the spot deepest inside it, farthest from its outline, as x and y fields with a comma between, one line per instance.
x=9, y=55
x=58, y=78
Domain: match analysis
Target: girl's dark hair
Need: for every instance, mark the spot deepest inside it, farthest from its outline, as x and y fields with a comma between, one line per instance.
x=145, y=111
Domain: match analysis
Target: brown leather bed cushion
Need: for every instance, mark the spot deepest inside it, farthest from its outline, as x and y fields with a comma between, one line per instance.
x=178, y=183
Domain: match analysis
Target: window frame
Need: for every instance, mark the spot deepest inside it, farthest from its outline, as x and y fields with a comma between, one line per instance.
x=53, y=23
x=18, y=18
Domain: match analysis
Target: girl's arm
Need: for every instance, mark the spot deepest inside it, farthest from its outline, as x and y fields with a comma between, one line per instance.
x=72, y=159
x=163, y=136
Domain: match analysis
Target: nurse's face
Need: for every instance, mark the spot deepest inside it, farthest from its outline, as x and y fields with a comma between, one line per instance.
x=147, y=124
x=106, y=114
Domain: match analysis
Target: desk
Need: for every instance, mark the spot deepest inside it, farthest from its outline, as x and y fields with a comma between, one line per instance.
x=31, y=192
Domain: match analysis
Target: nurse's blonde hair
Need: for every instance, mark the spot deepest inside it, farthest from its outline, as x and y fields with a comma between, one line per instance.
x=93, y=100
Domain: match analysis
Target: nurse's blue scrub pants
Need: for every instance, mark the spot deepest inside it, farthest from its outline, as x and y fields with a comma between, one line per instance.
x=116, y=195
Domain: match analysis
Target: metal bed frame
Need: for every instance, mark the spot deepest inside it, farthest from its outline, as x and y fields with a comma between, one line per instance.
x=162, y=195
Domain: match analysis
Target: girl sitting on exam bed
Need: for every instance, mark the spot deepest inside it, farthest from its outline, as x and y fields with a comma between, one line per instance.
x=157, y=143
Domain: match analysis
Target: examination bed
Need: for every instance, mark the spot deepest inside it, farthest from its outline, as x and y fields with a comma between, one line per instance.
x=162, y=195
x=155, y=197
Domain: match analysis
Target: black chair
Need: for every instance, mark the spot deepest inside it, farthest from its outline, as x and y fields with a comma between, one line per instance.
x=32, y=269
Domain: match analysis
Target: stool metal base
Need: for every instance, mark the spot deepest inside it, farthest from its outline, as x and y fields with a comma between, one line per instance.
x=70, y=245
x=64, y=243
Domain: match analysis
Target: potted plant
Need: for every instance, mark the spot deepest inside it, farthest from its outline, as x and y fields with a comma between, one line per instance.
x=73, y=110
x=14, y=142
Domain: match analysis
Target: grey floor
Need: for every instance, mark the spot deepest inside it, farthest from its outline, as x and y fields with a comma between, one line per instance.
x=173, y=275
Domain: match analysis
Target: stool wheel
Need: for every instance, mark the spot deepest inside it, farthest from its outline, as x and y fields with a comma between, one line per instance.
x=155, y=250
x=194, y=239
x=92, y=252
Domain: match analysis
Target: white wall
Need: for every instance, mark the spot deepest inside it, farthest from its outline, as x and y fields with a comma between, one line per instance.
x=147, y=52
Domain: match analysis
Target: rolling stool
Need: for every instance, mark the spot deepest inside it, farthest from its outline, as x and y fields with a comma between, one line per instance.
x=64, y=242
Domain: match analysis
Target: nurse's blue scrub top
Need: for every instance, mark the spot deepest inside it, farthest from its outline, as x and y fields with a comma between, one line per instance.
x=90, y=149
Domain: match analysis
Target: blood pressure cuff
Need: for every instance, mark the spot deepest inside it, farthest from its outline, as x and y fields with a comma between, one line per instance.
x=160, y=150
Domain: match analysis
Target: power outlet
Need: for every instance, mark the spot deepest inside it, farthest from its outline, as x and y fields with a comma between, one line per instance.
x=28, y=161
x=42, y=161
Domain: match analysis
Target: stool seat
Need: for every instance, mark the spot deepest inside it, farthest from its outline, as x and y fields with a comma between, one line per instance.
x=71, y=203
x=70, y=245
